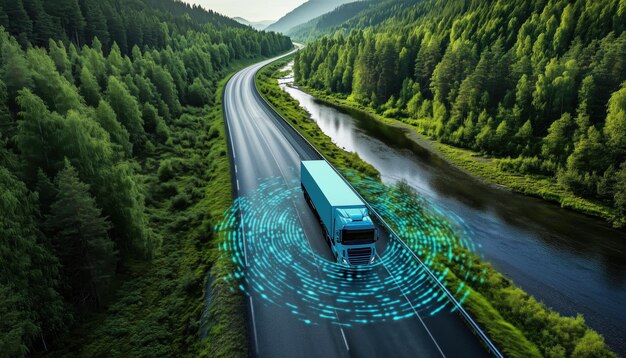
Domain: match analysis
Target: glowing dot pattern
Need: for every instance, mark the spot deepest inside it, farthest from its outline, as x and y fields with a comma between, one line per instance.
x=274, y=260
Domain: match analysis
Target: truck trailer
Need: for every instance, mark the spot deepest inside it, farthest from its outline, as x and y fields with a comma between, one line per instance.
x=347, y=226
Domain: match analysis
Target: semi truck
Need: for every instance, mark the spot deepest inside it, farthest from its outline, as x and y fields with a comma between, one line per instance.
x=347, y=226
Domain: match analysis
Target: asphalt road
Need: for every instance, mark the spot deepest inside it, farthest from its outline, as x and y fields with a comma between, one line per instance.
x=263, y=146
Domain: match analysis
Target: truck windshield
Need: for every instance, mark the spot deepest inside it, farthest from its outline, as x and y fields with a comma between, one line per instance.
x=358, y=237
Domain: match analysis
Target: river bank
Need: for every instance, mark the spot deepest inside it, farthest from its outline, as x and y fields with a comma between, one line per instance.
x=481, y=167
x=494, y=306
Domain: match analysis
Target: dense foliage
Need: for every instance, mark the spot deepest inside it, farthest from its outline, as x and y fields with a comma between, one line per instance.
x=82, y=122
x=127, y=23
x=517, y=323
x=540, y=82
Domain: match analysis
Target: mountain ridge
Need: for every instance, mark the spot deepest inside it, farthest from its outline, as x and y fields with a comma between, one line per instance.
x=258, y=25
x=304, y=13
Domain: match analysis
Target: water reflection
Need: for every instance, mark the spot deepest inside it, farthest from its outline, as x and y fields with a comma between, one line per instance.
x=569, y=261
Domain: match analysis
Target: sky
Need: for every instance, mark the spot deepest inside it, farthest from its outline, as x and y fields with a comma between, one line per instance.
x=252, y=10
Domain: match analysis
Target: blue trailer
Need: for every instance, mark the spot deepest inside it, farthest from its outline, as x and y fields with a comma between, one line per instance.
x=347, y=226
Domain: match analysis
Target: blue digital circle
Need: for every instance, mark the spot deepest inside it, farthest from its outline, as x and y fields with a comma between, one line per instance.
x=273, y=258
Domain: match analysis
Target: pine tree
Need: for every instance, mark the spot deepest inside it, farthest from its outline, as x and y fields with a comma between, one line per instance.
x=19, y=22
x=58, y=54
x=69, y=15
x=387, y=83
x=89, y=88
x=17, y=75
x=127, y=110
x=107, y=119
x=558, y=144
x=30, y=305
x=80, y=239
x=43, y=27
x=95, y=22
x=37, y=134
x=7, y=124
x=615, y=128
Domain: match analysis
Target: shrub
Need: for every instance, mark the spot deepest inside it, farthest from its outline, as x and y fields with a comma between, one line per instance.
x=525, y=165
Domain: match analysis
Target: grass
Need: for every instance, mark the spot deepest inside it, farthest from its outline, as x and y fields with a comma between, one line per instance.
x=518, y=324
x=485, y=168
x=290, y=110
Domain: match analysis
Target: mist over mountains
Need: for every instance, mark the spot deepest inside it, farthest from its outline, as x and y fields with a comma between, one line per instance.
x=304, y=13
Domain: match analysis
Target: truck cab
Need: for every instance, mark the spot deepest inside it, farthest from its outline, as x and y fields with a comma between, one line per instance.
x=355, y=237
x=344, y=217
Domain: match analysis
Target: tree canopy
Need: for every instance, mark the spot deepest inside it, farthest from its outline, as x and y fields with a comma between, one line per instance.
x=88, y=89
x=537, y=81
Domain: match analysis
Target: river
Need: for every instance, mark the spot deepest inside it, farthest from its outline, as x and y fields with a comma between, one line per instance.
x=572, y=263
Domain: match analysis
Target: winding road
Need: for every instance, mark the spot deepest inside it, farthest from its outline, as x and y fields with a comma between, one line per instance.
x=262, y=145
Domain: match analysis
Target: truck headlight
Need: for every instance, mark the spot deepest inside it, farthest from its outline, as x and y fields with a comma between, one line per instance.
x=373, y=259
x=345, y=261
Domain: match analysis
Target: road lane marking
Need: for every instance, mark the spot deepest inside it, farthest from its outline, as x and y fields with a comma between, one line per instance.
x=344, y=336
x=256, y=338
x=412, y=307
x=263, y=137
x=308, y=240
x=345, y=341
x=230, y=134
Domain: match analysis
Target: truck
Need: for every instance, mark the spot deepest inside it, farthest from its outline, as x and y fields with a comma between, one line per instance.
x=347, y=226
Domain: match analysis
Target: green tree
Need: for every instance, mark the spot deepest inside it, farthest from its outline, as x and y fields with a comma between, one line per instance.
x=198, y=95
x=615, y=128
x=558, y=144
x=49, y=85
x=69, y=14
x=16, y=73
x=80, y=239
x=155, y=124
x=19, y=22
x=31, y=307
x=523, y=139
x=164, y=84
x=619, y=190
x=95, y=22
x=58, y=54
x=43, y=26
x=591, y=345
x=127, y=110
x=565, y=31
x=364, y=75
x=119, y=194
x=107, y=119
x=387, y=70
x=89, y=88
x=37, y=134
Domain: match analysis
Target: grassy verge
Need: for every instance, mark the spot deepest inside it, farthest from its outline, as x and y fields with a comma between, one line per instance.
x=486, y=168
x=159, y=308
x=290, y=109
x=518, y=324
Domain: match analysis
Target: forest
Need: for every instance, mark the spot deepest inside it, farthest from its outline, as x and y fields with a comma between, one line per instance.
x=538, y=84
x=103, y=108
x=518, y=324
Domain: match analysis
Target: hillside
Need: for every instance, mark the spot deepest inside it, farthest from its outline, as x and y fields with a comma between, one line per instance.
x=258, y=25
x=113, y=171
x=326, y=23
x=538, y=85
x=304, y=13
